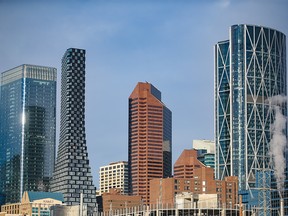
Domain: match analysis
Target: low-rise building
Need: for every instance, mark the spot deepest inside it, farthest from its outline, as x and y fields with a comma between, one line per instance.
x=114, y=200
x=62, y=210
x=7, y=214
x=164, y=190
x=186, y=200
x=13, y=208
x=39, y=203
x=114, y=175
x=193, y=176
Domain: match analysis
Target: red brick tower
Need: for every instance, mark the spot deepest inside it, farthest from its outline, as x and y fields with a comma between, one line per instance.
x=150, y=139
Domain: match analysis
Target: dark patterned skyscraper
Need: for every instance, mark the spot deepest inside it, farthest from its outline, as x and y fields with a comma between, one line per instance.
x=27, y=130
x=72, y=175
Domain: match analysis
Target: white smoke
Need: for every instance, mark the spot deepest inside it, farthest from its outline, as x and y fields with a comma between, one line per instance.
x=278, y=140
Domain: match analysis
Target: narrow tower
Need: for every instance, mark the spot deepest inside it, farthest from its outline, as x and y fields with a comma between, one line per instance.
x=150, y=139
x=27, y=130
x=72, y=175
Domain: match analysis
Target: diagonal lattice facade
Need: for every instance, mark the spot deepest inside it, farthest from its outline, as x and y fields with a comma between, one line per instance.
x=222, y=99
x=72, y=174
x=250, y=68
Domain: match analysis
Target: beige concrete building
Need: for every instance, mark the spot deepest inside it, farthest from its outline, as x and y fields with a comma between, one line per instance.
x=192, y=200
x=114, y=175
x=62, y=210
x=39, y=203
x=7, y=214
x=13, y=208
x=33, y=204
x=208, y=145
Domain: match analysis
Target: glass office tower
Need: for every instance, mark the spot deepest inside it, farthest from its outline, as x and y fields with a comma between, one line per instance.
x=250, y=68
x=72, y=175
x=27, y=130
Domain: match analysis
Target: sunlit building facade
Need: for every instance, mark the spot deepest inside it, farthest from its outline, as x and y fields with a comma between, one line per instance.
x=72, y=175
x=250, y=68
x=27, y=130
x=114, y=175
x=150, y=139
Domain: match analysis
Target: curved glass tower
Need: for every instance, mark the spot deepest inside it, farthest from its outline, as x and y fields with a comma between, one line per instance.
x=250, y=68
x=27, y=130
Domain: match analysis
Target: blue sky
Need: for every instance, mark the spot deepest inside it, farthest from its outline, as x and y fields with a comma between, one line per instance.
x=168, y=43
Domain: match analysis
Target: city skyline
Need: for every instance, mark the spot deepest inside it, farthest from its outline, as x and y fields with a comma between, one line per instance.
x=168, y=44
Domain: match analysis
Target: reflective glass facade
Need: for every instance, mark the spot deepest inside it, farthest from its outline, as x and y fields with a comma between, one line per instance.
x=250, y=68
x=27, y=130
x=72, y=175
x=208, y=159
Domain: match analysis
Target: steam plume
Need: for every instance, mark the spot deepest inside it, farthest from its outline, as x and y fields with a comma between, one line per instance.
x=278, y=141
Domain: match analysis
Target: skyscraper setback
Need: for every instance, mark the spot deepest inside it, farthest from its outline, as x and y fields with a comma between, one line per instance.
x=27, y=130
x=150, y=139
x=72, y=175
x=250, y=69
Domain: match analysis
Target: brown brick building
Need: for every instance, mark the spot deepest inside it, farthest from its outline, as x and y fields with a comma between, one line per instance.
x=192, y=176
x=164, y=190
x=114, y=200
x=186, y=163
x=150, y=139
